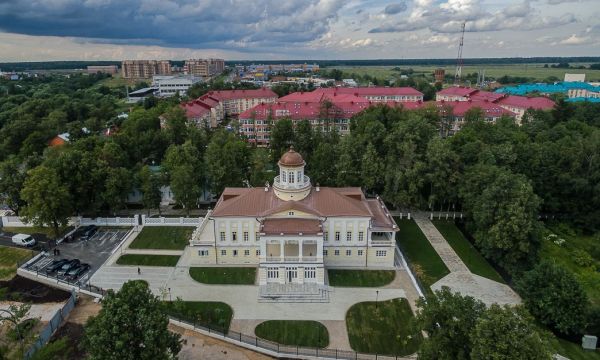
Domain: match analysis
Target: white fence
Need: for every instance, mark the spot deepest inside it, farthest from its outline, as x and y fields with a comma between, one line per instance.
x=15, y=221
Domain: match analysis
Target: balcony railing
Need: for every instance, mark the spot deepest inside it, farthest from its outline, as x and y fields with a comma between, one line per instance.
x=296, y=259
x=296, y=185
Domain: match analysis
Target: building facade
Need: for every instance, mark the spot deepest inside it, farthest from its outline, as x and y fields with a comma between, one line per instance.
x=203, y=67
x=170, y=85
x=105, y=69
x=292, y=231
x=144, y=69
x=212, y=107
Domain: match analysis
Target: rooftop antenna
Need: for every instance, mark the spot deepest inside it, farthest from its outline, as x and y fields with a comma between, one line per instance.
x=459, y=59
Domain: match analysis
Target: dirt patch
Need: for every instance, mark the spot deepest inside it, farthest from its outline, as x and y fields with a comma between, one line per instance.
x=85, y=308
x=26, y=290
x=198, y=346
x=74, y=333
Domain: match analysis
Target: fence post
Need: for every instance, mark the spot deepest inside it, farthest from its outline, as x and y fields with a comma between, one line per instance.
x=336, y=353
x=240, y=337
x=278, y=348
x=256, y=341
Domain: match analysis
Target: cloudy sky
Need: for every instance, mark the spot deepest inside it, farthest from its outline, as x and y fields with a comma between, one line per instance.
x=37, y=30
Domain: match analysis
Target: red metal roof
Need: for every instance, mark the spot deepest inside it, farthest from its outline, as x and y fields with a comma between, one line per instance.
x=241, y=94
x=301, y=110
x=457, y=91
x=373, y=91
x=523, y=102
x=460, y=108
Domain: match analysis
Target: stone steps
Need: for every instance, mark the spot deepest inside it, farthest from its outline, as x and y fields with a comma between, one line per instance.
x=293, y=293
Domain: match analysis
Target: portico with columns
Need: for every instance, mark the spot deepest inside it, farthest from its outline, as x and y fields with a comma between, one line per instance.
x=292, y=230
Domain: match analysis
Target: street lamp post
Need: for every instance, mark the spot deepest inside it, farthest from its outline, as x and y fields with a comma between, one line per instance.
x=376, y=299
x=170, y=299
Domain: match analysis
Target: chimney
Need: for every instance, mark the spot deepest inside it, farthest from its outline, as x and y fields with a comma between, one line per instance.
x=318, y=188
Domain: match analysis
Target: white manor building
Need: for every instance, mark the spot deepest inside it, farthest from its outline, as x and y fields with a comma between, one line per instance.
x=293, y=231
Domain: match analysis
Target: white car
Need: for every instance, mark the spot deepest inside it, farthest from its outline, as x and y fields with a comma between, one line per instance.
x=23, y=240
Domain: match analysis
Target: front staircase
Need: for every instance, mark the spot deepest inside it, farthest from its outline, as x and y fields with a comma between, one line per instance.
x=294, y=293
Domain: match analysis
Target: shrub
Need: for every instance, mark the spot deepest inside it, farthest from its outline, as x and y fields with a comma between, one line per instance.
x=582, y=258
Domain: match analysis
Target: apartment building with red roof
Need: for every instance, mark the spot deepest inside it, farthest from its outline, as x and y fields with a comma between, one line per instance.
x=212, y=107
x=513, y=103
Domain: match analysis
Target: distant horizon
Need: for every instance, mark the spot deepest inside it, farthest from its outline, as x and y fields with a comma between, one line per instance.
x=585, y=58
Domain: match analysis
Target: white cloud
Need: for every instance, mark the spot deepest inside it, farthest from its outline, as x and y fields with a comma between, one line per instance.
x=574, y=40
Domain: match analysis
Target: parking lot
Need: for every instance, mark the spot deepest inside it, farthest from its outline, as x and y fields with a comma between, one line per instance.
x=94, y=251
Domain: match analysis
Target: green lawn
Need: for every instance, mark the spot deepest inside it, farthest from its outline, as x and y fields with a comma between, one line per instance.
x=294, y=332
x=476, y=263
x=385, y=328
x=535, y=71
x=224, y=275
x=216, y=315
x=163, y=237
x=49, y=232
x=148, y=260
x=574, y=248
x=360, y=278
x=425, y=263
x=573, y=351
x=9, y=257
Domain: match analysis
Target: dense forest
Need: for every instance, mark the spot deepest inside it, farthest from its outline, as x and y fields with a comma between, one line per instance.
x=503, y=176
x=46, y=65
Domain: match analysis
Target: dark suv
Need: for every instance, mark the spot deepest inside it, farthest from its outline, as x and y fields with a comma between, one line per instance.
x=71, y=264
x=55, y=265
x=88, y=232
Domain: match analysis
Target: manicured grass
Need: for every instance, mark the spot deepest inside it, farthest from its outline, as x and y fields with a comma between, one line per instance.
x=425, y=263
x=476, y=263
x=573, y=351
x=9, y=257
x=567, y=254
x=360, y=278
x=216, y=315
x=294, y=332
x=49, y=232
x=385, y=328
x=148, y=260
x=224, y=275
x=163, y=237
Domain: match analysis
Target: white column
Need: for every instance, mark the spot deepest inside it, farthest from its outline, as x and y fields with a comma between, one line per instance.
x=263, y=250
x=300, y=249
x=320, y=249
x=281, y=252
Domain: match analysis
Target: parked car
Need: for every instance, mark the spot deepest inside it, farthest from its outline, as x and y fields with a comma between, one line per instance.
x=88, y=232
x=68, y=266
x=23, y=240
x=76, y=272
x=55, y=265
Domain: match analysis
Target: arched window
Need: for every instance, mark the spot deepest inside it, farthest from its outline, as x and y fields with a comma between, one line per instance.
x=291, y=177
x=283, y=176
x=299, y=176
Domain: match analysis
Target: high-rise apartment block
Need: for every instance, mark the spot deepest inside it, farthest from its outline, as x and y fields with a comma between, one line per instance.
x=145, y=69
x=204, y=67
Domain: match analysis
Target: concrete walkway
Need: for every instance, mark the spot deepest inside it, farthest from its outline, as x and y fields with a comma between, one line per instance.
x=460, y=279
x=242, y=298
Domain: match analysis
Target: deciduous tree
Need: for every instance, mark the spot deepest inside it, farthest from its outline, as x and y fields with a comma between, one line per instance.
x=131, y=325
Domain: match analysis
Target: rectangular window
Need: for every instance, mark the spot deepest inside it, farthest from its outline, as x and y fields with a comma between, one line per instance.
x=326, y=236
x=310, y=273
x=234, y=236
x=360, y=253
x=324, y=252
x=348, y=252
x=336, y=252
x=361, y=236
x=337, y=236
x=222, y=236
x=203, y=252
x=257, y=252
x=257, y=235
x=291, y=213
x=272, y=273
x=235, y=252
x=348, y=235
x=223, y=252
x=246, y=252
x=245, y=236
x=380, y=253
